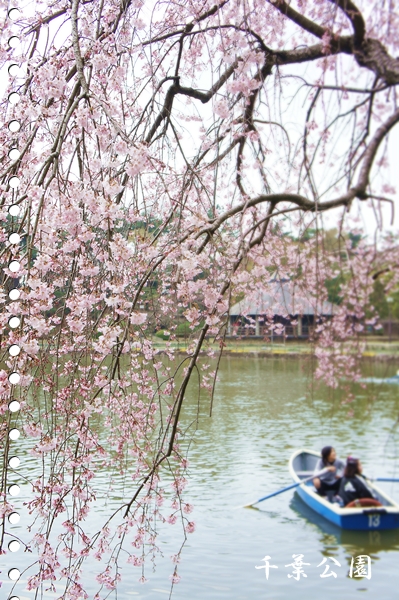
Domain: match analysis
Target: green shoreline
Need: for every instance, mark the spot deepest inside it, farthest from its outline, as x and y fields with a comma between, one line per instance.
x=380, y=349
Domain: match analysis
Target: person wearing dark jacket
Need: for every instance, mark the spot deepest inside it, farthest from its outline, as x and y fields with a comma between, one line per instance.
x=353, y=485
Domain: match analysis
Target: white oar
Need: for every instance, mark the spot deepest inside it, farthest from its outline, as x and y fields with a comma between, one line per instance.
x=287, y=488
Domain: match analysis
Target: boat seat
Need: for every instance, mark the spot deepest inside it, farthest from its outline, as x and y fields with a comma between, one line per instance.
x=304, y=473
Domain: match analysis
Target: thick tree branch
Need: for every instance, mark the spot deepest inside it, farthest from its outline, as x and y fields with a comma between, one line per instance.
x=356, y=19
x=374, y=56
x=371, y=152
x=301, y=55
x=298, y=18
x=368, y=52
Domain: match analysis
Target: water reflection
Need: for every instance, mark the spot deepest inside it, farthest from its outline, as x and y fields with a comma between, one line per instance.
x=264, y=410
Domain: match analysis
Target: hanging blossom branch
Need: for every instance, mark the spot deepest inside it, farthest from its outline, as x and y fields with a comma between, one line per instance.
x=161, y=179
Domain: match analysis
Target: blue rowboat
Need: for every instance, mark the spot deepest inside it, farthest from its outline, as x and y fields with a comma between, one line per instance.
x=302, y=464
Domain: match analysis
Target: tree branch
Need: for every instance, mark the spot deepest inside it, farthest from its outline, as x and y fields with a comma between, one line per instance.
x=296, y=17
x=356, y=19
x=368, y=52
x=370, y=153
x=303, y=203
x=176, y=88
x=76, y=47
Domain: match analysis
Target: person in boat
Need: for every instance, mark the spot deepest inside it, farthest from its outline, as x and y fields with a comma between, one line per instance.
x=354, y=489
x=330, y=480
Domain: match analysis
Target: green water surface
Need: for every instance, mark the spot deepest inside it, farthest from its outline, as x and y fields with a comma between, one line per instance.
x=264, y=410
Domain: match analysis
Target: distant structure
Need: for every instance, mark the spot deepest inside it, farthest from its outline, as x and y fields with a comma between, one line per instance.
x=390, y=328
x=251, y=318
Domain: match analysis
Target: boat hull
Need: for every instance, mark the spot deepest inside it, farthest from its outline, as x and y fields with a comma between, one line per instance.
x=358, y=519
x=368, y=519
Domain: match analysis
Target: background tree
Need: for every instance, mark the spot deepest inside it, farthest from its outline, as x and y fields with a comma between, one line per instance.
x=225, y=124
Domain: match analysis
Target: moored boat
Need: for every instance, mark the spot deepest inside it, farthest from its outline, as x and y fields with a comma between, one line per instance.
x=302, y=464
x=381, y=380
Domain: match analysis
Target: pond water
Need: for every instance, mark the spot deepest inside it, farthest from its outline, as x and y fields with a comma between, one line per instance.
x=264, y=410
